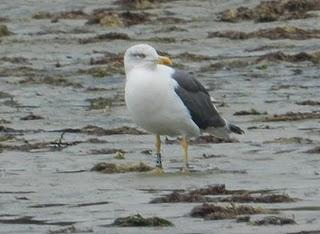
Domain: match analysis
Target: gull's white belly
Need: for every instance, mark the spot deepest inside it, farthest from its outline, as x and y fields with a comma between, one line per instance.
x=154, y=105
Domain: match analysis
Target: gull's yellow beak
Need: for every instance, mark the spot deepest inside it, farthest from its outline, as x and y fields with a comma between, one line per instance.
x=164, y=60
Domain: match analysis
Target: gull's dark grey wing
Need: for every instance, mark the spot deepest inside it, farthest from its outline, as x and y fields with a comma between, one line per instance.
x=197, y=100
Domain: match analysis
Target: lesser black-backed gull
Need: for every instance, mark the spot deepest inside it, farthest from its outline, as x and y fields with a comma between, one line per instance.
x=165, y=101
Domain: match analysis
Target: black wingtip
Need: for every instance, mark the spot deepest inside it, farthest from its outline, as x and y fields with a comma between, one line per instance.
x=235, y=129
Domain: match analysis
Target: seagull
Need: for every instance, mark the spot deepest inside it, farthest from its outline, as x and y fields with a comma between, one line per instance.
x=170, y=102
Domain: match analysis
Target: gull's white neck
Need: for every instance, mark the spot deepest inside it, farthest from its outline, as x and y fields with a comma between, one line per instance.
x=147, y=66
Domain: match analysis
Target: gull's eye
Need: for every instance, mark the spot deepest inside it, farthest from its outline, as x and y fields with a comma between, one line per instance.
x=139, y=55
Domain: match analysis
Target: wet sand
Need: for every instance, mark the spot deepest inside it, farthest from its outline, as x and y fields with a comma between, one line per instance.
x=62, y=111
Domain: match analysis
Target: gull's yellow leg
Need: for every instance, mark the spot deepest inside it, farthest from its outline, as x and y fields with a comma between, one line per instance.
x=158, y=153
x=158, y=170
x=185, y=145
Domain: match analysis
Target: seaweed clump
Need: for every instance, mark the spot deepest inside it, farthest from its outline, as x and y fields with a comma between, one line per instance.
x=50, y=80
x=139, y=4
x=215, y=212
x=111, y=168
x=287, y=32
x=136, y=4
x=4, y=31
x=106, y=17
x=273, y=198
x=293, y=116
x=309, y=103
x=138, y=221
x=196, y=195
x=103, y=16
x=315, y=150
x=268, y=11
x=106, y=36
x=240, y=196
x=274, y=220
x=293, y=58
x=250, y=112
x=73, y=14
x=98, y=131
x=50, y=146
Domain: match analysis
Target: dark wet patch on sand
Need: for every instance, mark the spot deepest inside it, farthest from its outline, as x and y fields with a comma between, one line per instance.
x=91, y=204
x=71, y=229
x=71, y=171
x=290, y=140
x=47, y=205
x=31, y=117
x=30, y=220
x=208, y=156
x=17, y=192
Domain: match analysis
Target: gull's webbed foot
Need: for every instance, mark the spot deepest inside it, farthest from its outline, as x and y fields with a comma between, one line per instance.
x=157, y=171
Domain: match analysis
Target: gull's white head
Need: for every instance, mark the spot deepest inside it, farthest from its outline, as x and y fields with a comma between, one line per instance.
x=143, y=55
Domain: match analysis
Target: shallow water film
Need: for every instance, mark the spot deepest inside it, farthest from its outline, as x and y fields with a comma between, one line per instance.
x=73, y=161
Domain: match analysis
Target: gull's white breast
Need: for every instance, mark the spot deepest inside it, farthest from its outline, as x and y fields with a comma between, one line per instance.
x=154, y=105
